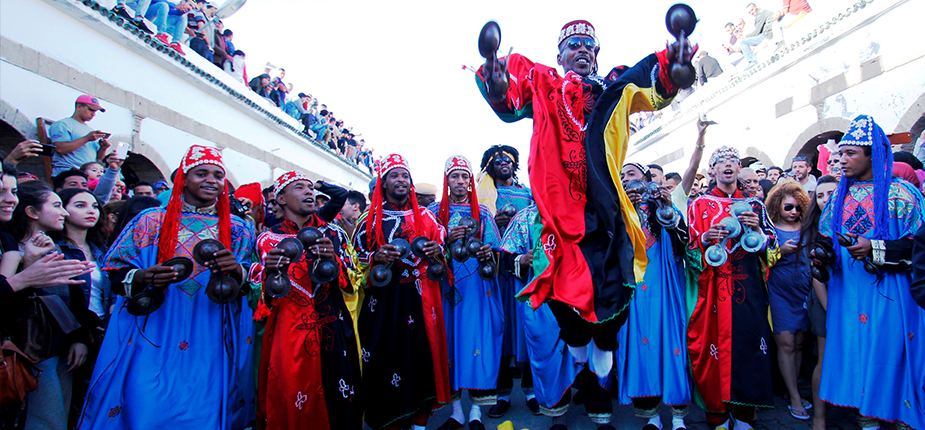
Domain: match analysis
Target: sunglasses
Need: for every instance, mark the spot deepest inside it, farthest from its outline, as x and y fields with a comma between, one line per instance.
x=501, y=160
x=574, y=43
x=789, y=207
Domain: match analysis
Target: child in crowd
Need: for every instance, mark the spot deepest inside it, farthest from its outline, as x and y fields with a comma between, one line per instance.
x=94, y=171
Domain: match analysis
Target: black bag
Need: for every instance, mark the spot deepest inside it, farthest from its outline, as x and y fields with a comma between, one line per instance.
x=42, y=332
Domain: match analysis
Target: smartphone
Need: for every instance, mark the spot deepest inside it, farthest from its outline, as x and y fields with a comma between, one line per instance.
x=47, y=150
x=121, y=150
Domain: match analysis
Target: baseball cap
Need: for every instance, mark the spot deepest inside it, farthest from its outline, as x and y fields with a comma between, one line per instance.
x=90, y=101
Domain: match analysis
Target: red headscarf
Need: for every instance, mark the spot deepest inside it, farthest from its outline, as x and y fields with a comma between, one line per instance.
x=196, y=156
x=454, y=163
x=905, y=171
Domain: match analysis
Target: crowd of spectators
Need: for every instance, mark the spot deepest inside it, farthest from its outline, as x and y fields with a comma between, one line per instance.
x=192, y=23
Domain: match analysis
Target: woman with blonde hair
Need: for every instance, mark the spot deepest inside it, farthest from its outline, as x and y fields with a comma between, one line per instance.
x=789, y=283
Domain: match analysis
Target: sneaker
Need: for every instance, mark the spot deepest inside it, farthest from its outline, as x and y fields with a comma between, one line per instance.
x=499, y=409
x=450, y=424
x=476, y=425
x=140, y=23
x=176, y=47
x=121, y=12
x=163, y=38
x=534, y=406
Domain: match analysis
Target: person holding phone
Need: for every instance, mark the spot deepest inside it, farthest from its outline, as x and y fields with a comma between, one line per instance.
x=75, y=142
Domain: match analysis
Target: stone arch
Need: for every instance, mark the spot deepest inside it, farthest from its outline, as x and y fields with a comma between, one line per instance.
x=806, y=142
x=911, y=121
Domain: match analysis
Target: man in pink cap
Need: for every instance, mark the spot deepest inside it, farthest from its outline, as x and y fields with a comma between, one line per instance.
x=75, y=142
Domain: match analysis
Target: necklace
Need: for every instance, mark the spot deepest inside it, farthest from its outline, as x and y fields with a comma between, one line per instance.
x=568, y=110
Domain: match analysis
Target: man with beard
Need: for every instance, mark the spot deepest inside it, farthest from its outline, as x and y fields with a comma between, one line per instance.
x=728, y=333
x=503, y=195
x=874, y=344
x=401, y=324
x=591, y=239
x=471, y=305
x=309, y=364
x=800, y=167
x=652, y=364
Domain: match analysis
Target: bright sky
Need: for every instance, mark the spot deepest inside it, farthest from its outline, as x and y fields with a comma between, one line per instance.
x=393, y=70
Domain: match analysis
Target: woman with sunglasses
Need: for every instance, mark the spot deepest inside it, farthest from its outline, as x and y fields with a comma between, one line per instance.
x=789, y=283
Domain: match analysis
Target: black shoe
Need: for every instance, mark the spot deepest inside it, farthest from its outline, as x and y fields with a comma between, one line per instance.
x=450, y=424
x=606, y=427
x=558, y=427
x=499, y=409
x=650, y=427
x=534, y=406
x=140, y=23
x=476, y=425
x=121, y=12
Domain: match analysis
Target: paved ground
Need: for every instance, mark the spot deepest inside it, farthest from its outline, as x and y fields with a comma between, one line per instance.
x=623, y=418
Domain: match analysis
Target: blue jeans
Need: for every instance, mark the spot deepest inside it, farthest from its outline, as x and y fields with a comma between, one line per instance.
x=139, y=6
x=747, y=44
x=176, y=24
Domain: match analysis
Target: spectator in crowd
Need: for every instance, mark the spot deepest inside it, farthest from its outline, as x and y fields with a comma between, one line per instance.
x=220, y=53
x=764, y=187
x=760, y=170
x=350, y=213
x=128, y=211
x=297, y=109
x=707, y=67
x=251, y=199
x=118, y=191
x=321, y=200
x=279, y=89
x=160, y=187
x=228, y=36
x=236, y=68
x=774, y=173
x=425, y=193
x=141, y=9
x=109, y=217
x=75, y=178
x=142, y=188
x=82, y=240
x=764, y=30
x=818, y=295
x=75, y=142
x=38, y=214
x=319, y=127
x=657, y=173
x=94, y=171
x=789, y=283
x=801, y=167
x=733, y=47
x=792, y=11
x=261, y=85
x=171, y=21
x=750, y=179
x=23, y=150
x=672, y=180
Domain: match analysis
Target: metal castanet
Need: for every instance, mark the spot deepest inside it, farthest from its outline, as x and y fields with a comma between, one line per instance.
x=681, y=22
x=221, y=289
x=436, y=270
